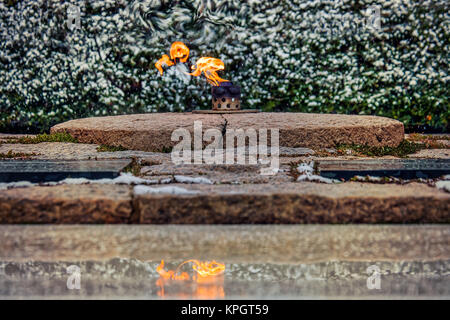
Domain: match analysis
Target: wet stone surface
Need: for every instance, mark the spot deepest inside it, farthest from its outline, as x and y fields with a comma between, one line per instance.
x=272, y=262
x=131, y=278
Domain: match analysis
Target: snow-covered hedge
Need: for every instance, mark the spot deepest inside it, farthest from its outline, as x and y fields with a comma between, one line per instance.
x=297, y=55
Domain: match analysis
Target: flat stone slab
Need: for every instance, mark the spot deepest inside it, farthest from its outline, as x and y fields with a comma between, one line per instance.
x=273, y=262
x=218, y=174
x=56, y=170
x=229, y=243
x=431, y=154
x=76, y=151
x=152, y=132
x=292, y=203
x=323, y=130
x=278, y=203
x=399, y=168
x=89, y=203
x=146, y=132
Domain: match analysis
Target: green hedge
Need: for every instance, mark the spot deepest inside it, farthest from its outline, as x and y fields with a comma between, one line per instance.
x=308, y=56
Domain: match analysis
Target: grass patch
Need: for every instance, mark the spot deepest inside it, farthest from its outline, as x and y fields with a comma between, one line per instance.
x=134, y=167
x=106, y=148
x=53, y=137
x=166, y=149
x=12, y=155
x=402, y=150
x=430, y=142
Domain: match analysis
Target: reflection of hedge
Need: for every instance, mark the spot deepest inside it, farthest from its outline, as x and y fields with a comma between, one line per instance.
x=313, y=56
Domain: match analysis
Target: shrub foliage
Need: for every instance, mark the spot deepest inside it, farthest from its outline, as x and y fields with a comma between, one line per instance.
x=287, y=55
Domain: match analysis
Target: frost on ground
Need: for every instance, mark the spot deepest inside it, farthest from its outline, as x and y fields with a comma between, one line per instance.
x=445, y=185
x=307, y=174
x=184, y=179
x=18, y=184
x=140, y=190
x=124, y=178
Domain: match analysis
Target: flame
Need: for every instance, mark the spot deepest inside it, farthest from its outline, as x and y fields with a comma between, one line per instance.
x=208, y=278
x=203, y=269
x=179, y=50
x=164, y=60
x=209, y=66
x=170, y=274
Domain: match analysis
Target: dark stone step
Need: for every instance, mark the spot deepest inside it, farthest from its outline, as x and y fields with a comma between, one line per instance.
x=49, y=170
x=399, y=168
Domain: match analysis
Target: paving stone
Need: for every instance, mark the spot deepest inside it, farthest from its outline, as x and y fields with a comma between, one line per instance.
x=219, y=174
x=66, y=204
x=280, y=202
x=289, y=244
x=55, y=170
x=399, y=168
x=304, y=202
x=431, y=154
x=7, y=136
x=152, y=132
x=78, y=151
x=295, y=152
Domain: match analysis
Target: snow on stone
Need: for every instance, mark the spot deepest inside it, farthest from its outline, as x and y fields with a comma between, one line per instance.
x=445, y=185
x=128, y=178
x=184, y=179
x=306, y=174
x=140, y=190
x=18, y=184
x=368, y=178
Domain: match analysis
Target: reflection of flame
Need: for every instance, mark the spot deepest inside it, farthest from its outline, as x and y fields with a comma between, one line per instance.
x=208, y=278
x=179, y=50
x=164, y=60
x=170, y=274
x=209, y=66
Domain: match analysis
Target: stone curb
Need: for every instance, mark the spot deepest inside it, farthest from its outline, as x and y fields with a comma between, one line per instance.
x=284, y=203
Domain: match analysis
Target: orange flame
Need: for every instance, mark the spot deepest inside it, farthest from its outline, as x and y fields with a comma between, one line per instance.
x=208, y=277
x=164, y=60
x=209, y=66
x=179, y=50
x=203, y=269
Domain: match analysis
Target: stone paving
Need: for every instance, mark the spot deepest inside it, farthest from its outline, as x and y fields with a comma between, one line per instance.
x=304, y=252
x=237, y=194
x=289, y=262
x=306, y=202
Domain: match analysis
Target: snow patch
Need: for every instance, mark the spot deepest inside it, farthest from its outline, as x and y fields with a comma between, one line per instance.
x=445, y=185
x=306, y=174
x=128, y=178
x=140, y=190
x=368, y=178
x=184, y=179
x=18, y=184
